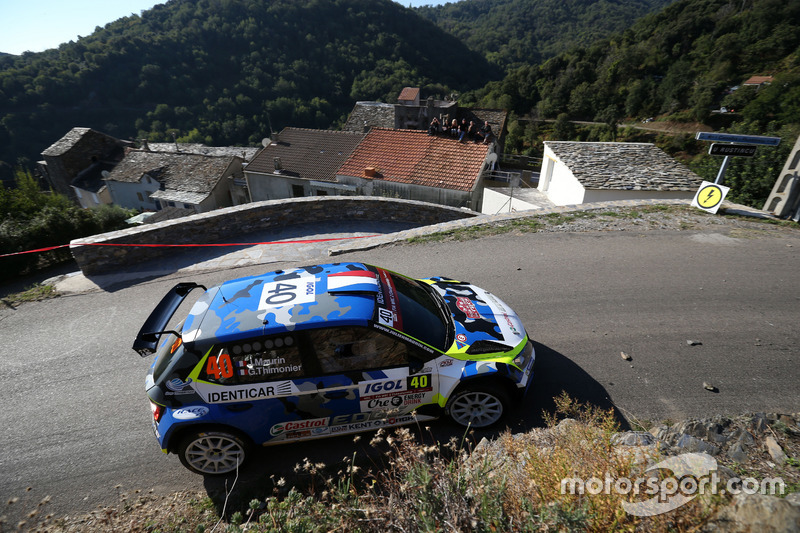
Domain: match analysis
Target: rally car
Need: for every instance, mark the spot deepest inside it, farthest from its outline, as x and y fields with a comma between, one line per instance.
x=326, y=350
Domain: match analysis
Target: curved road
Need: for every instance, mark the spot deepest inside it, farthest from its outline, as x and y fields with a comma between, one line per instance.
x=76, y=424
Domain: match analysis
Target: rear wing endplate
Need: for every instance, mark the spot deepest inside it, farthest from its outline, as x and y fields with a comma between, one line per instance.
x=147, y=339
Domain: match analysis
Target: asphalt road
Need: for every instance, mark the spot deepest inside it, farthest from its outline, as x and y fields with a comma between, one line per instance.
x=76, y=424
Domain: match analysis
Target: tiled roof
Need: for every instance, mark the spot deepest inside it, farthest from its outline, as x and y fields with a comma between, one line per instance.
x=414, y=157
x=409, y=93
x=758, y=80
x=245, y=152
x=370, y=114
x=309, y=154
x=189, y=173
x=624, y=166
x=495, y=117
x=90, y=140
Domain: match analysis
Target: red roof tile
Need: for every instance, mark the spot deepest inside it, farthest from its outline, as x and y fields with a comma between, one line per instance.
x=409, y=93
x=416, y=158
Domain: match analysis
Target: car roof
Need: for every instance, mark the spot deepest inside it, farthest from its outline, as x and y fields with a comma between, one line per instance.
x=277, y=302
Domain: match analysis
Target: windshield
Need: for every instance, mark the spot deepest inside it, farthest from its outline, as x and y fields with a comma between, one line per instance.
x=424, y=316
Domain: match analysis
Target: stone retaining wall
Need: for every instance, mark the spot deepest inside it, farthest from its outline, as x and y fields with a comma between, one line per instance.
x=233, y=222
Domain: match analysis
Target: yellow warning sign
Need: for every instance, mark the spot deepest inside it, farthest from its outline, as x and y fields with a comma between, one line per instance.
x=709, y=197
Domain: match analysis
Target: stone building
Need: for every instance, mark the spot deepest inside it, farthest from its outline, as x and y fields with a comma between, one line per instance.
x=85, y=152
x=582, y=172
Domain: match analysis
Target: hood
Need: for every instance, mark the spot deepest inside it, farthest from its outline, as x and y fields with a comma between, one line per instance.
x=480, y=315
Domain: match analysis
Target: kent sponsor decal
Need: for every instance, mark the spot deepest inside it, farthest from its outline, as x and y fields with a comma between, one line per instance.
x=366, y=421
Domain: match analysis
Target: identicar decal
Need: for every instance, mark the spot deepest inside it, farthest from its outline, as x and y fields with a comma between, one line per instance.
x=241, y=393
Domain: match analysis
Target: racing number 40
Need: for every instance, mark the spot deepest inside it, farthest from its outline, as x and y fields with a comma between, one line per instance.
x=418, y=382
x=220, y=367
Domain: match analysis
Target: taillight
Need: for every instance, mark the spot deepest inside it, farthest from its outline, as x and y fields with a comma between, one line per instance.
x=158, y=411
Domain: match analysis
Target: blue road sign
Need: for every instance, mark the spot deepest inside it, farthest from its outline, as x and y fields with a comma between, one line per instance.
x=734, y=138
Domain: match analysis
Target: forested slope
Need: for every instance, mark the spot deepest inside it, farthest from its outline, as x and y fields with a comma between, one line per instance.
x=517, y=32
x=223, y=71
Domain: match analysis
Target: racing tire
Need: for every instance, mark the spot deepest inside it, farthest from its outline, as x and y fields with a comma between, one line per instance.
x=213, y=452
x=478, y=406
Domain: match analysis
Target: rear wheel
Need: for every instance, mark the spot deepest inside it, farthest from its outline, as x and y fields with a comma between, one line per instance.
x=213, y=452
x=478, y=407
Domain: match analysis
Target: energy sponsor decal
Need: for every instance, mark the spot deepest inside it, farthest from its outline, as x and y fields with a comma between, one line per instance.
x=239, y=393
x=299, y=425
x=388, y=394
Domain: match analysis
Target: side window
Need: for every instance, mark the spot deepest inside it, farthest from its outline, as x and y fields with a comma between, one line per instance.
x=356, y=348
x=256, y=360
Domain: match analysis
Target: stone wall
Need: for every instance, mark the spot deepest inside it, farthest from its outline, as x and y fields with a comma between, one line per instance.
x=233, y=222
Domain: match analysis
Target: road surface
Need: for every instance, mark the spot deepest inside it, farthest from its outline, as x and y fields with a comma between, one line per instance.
x=76, y=424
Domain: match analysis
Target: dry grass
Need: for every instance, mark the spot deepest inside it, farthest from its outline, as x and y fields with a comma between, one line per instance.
x=513, y=484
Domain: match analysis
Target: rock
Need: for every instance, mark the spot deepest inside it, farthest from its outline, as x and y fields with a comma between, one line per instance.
x=793, y=498
x=737, y=453
x=758, y=423
x=660, y=432
x=775, y=450
x=687, y=443
x=694, y=343
x=709, y=386
x=625, y=356
x=632, y=438
x=756, y=513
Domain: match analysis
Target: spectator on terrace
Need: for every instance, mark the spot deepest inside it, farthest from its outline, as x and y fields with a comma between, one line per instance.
x=463, y=128
x=434, y=128
x=486, y=133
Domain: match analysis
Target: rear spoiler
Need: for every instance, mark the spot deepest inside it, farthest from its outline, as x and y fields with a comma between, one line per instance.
x=153, y=328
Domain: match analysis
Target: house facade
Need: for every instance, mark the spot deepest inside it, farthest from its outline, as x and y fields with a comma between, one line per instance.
x=151, y=181
x=85, y=152
x=413, y=165
x=300, y=162
x=411, y=112
x=579, y=172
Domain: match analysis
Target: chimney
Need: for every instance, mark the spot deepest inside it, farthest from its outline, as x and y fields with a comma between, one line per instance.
x=145, y=146
x=370, y=172
x=278, y=165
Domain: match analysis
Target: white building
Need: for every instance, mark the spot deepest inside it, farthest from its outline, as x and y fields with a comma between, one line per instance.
x=579, y=172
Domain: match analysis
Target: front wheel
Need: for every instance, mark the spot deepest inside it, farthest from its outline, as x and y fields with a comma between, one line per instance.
x=213, y=452
x=477, y=407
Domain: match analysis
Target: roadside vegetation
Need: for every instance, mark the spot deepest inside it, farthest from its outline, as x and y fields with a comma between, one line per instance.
x=510, y=484
x=646, y=217
x=33, y=219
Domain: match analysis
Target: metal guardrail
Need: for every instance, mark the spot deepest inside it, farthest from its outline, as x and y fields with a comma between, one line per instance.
x=521, y=161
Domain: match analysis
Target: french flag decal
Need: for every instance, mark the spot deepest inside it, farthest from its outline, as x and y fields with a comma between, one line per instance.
x=355, y=281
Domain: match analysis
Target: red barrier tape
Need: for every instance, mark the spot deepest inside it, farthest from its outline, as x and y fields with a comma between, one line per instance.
x=305, y=241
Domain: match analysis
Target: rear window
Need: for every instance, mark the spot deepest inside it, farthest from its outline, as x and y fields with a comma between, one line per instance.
x=169, y=356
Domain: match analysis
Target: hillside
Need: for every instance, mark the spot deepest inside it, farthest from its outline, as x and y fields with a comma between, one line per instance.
x=676, y=65
x=687, y=57
x=518, y=32
x=223, y=72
